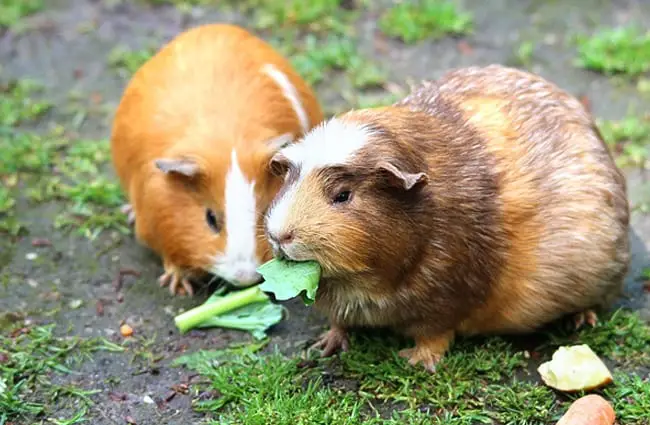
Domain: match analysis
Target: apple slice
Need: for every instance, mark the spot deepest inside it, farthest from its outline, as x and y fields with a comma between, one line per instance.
x=574, y=369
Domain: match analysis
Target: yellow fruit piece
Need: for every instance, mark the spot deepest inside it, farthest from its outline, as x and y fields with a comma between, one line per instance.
x=575, y=368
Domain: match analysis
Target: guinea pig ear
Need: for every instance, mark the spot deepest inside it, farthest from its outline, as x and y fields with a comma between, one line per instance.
x=402, y=179
x=185, y=167
x=279, y=164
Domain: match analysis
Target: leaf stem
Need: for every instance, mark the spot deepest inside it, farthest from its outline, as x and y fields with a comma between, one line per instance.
x=191, y=318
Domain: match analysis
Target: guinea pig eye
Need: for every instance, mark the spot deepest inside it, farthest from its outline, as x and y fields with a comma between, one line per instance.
x=213, y=222
x=342, y=197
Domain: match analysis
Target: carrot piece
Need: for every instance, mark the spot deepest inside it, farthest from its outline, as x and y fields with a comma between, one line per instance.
x=126, y=330
x=589, y=410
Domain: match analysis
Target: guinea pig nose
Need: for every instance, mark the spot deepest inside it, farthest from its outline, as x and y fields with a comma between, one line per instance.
x=248, y=277
x=285, y=237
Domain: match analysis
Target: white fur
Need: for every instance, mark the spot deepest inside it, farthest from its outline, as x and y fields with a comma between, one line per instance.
x=331, y=143
x=239, y=261
x=289, y=91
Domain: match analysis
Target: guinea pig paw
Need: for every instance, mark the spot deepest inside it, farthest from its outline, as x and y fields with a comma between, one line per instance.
x=130, y=214
x=331, y=341
x=416, y=355
x=588, y=316
x=178, y=285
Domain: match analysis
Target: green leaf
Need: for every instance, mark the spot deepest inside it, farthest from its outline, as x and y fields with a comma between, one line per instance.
x=219, y=304
x=255, y=318
x=287, y=279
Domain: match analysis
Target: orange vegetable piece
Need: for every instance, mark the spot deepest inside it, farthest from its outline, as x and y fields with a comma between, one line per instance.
x=126, y=330
x=589, y=410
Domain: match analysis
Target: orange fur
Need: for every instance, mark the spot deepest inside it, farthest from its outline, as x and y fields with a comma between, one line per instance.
x=201, y=96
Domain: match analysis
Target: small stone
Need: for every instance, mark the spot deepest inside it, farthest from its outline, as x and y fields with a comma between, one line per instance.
x=126, y=330
x=75, y=304
x=31, y=256
x=148, y=400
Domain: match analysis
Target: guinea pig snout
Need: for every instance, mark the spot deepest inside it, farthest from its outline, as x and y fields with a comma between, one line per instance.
x=279, y=243
x=281, y=238
x=246, y=277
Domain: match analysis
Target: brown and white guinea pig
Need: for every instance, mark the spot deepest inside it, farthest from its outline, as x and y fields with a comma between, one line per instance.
x=191, y=143
x=485, y=202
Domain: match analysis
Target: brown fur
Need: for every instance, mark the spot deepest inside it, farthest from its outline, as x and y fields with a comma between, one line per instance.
x=199, y=97
x=523, y=216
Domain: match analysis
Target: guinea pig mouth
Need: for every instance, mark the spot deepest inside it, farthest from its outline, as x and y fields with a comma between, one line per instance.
x=291, y=253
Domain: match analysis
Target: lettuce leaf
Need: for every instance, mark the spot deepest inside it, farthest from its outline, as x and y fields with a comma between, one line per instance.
x=288, y=279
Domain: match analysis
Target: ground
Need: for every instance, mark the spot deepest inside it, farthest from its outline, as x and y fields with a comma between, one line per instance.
x=71, y=273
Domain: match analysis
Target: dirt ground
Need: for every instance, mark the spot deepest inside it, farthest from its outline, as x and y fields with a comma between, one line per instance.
x=58, y=52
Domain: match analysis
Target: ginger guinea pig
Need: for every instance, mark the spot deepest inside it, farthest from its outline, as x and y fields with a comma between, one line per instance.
x=191, y=143
x=485, y=202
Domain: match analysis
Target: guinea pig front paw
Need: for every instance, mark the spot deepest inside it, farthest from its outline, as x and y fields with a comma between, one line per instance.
x=178, y=284
x=130, y=214
x=588, y=316
x=418, y=355
x=332, y=341
x=428, y=351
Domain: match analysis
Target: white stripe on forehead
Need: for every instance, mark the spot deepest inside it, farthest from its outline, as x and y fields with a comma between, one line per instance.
x=289, y=92
x=331, y=143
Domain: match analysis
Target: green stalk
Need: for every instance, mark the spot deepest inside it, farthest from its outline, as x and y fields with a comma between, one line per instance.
x=195, y=316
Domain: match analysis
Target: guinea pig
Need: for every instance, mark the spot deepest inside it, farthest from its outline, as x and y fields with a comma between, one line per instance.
x=191, y=142
x=485, y=202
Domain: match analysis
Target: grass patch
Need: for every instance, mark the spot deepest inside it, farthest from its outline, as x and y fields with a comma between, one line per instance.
x=414, y=21
x=18, y=103
x=523, y=54
x=183, y=3
x=315, y=59
x=631, y=398
x=28, y=358
x=628, y=139
x=51, y=166
x=12, y=11
x=624, y=50
x=311, y=16
x=479, y=381
x=127, y=61
x=624, y=338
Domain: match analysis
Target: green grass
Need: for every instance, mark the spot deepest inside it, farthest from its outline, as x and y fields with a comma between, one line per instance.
x=413, y=21
x=29, y=359
x=50, y=165
x=624, y=50
x=316, y=59
x=12, y=11
x=479, y=381
x=18, y=103
x=629, y=139
x=311, y=16
x=523, y=54
x=127, y=61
